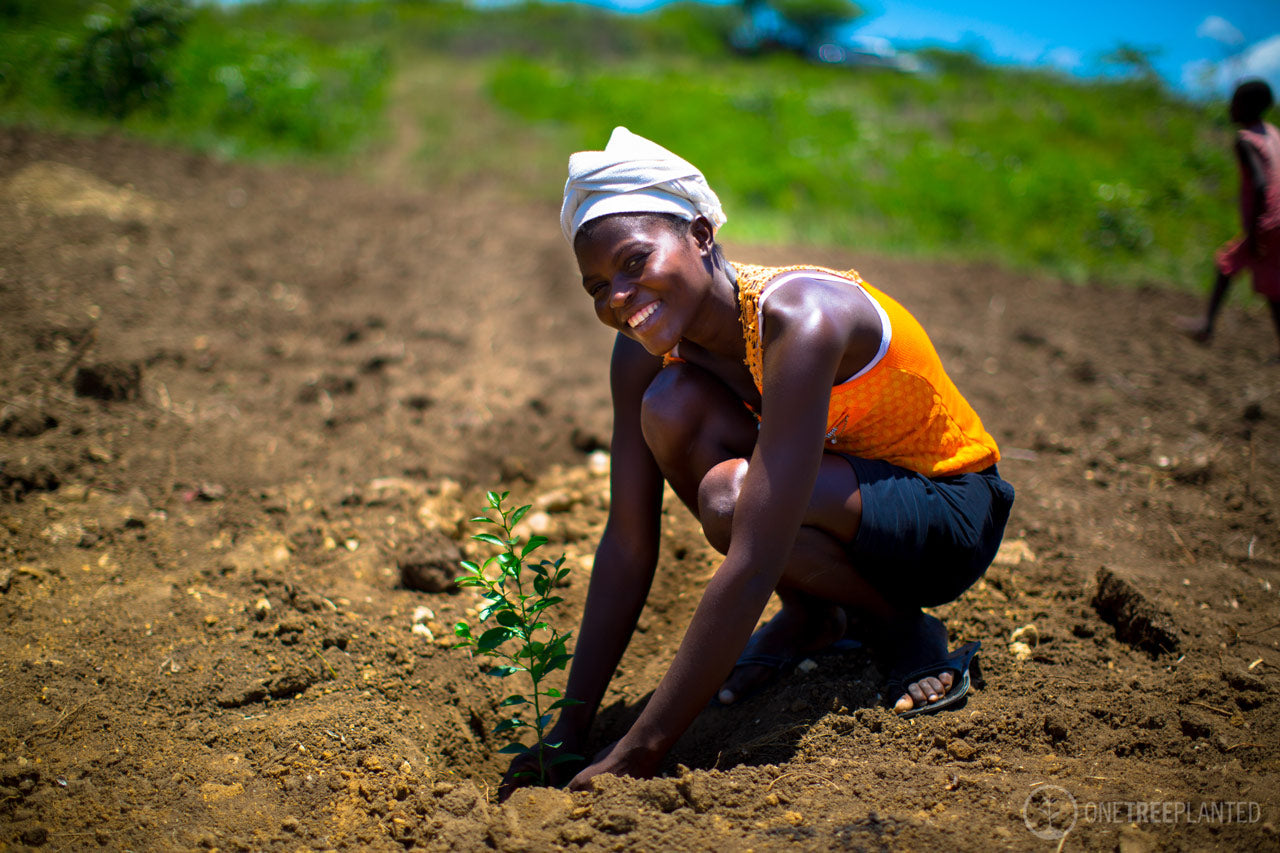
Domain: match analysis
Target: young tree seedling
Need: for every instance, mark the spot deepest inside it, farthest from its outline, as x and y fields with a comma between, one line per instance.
x=515, y=609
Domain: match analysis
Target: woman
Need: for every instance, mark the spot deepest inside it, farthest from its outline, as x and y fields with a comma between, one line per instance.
x=805, y=419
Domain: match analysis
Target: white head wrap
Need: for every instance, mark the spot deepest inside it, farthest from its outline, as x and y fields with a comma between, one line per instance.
x=634, y=175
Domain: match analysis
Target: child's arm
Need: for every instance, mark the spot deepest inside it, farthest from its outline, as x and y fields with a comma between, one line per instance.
x=1251, y=166
x=625, y=559
x=804, y=349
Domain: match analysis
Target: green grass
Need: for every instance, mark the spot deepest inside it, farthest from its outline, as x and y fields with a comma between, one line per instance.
x=1109, y=181
x=1116, y=181
x=261, y=91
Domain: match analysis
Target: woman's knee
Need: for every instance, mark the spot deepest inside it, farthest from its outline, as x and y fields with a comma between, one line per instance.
x=685, y=409
x=668, y=412
x=717, y=499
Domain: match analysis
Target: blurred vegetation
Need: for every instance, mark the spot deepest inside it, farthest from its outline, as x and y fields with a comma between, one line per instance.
x=1113, y=179
x=189, y=75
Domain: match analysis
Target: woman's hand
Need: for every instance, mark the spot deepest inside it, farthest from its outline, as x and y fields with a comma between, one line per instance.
x=617, y=760
x=523, y=770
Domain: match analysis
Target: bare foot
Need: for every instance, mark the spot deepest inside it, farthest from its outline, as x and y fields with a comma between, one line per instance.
x=924, y=691
x=795, y=630
x=921, y=670
x=1196, y=328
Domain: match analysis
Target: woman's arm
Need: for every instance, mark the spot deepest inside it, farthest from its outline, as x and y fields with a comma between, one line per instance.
x=624, y=562
x=804, y=350
x=628, y=551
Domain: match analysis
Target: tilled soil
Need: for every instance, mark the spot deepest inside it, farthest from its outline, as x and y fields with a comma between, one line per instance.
x=237, y=404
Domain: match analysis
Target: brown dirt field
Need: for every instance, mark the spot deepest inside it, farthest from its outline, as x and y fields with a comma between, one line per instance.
x=234, y=399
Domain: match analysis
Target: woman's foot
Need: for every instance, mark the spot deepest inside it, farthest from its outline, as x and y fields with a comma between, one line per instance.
x=796, y=630
x=921, y=672
x=923, y=692
x=1196, y=328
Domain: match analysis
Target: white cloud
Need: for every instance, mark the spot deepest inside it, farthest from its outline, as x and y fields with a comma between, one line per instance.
x=1220, y=30
x=1219, y=78
x=1066, y=58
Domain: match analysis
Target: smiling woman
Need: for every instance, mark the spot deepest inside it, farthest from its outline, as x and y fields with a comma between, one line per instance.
x=805, y=419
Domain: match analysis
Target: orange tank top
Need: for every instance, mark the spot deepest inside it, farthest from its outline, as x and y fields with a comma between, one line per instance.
x=901, y=408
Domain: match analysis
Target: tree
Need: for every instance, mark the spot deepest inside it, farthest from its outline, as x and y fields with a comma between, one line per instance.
x=815, y=17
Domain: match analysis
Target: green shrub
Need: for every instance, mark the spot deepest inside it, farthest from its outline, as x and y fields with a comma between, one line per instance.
x=274, y=92
x=120, y=62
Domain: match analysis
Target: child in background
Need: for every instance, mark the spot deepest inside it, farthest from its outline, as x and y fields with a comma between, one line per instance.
x=805, y=419
x=1258, y=152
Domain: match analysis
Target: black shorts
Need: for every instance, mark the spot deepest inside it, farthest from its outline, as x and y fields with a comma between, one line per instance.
x=923, y=541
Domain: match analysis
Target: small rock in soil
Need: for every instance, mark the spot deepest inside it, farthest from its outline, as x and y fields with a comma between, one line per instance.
x=1056, y=727
x=329, y=384
x=586, y=441
x=109, y=381
x=430, y=568
x=20, y=476
x=23, y=422
x=578, y=832
x=616, y=822
x=35, y=836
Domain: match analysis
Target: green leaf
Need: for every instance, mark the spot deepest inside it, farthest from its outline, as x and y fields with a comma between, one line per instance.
x=509, y=563
x=564, y=758
x=518, y=514
x=552, y=692
x=509, y=725
x=470, y=566
x=469, y=580
x=558, y=662
x=503, y=671
x=480, y=518
x=566, y=702
x=462, y=629
x=533, y=544
x=508, y=618
x=493, y=499
x=489, y=539
x=514, y=749
x=543, y=721
x=493, y=638
x=541, y=585
x=513, y=699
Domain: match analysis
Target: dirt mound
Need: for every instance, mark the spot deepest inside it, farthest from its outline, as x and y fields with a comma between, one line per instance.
x=64, y=190
x=222, y=556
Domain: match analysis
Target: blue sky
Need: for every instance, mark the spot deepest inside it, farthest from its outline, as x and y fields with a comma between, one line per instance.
x=1202, y=46
x=1195, y=40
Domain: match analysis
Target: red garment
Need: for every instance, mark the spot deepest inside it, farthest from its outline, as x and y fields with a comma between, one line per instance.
x=1264, y=261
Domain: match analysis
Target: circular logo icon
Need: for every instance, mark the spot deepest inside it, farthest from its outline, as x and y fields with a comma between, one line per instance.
x=1049, y=812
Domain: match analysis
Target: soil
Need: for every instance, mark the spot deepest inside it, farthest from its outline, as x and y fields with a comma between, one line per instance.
x=239, y=403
